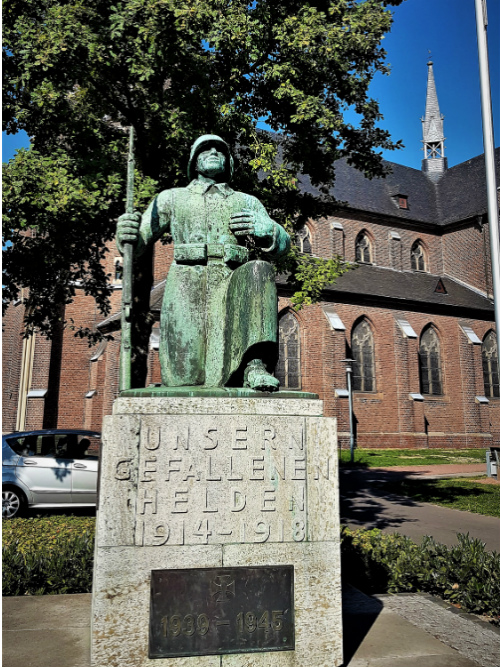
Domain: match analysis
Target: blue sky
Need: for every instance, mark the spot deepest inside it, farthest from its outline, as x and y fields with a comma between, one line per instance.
x=448, y=29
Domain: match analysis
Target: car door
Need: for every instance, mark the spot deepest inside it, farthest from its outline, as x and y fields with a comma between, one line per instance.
x=84, y=470
x=46, y=469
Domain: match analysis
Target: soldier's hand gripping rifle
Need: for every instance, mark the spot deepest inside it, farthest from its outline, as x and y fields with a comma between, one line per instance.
x=127, y=278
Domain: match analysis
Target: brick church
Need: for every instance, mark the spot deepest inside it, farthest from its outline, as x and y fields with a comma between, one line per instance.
x=416, y=315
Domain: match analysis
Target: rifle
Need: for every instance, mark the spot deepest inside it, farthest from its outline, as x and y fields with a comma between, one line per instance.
x=127, y=277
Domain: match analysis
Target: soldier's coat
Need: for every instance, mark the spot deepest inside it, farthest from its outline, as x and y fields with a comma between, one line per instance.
x=217, y=304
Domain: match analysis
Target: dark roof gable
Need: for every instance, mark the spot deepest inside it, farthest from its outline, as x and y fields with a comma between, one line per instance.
x=409, y=286
x=460, y=194
x=378, y=285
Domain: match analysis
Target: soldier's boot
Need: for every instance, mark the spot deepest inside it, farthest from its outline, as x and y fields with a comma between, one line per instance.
x=256, y=377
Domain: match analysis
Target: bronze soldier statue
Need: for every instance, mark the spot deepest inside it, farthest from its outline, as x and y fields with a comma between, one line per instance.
x=219, y=314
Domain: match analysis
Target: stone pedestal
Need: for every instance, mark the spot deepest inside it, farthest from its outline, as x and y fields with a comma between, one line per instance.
x=217, y=483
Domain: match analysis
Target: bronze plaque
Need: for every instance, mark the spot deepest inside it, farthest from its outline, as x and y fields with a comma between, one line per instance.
x=210, y=611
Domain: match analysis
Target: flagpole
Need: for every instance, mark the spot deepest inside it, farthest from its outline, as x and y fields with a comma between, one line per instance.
x=489, y=156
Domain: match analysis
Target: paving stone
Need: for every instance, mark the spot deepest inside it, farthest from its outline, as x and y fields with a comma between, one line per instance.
x=474, y=639
x=64, y=646
x=452, y=660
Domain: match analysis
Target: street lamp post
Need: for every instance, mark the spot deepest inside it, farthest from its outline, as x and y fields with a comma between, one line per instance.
x=348, y=370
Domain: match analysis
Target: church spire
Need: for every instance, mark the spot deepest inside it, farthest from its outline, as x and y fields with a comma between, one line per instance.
x=434, y=163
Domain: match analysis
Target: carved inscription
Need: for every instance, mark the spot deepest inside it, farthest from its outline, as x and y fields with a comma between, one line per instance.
x=234, y=480
x=221, y=610
x=122, y=469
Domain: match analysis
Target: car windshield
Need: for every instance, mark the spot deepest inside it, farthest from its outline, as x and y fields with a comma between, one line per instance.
x=57, y=445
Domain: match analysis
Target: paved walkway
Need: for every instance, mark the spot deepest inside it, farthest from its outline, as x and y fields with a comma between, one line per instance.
x=365, y=502
x=46, y=631
x=386, y=631
x=439, y=470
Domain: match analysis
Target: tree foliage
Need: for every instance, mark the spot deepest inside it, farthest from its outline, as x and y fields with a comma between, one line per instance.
x=77, y=73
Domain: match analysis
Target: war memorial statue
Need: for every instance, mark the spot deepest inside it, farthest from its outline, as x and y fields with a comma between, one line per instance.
x=219, y=314
x=218, y=535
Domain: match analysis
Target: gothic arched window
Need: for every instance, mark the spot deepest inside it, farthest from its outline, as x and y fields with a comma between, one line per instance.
x=429, y=357
x=304, y=240
x=288, y=366
x=363, y=366
x=418, y=260
x=363, y=248
x=489, y=353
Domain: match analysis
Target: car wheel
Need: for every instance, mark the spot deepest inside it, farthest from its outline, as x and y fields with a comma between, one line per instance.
x=12, y=503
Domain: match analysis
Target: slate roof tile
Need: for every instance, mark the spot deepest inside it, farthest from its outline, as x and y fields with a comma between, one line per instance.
x=412, y=286
x=459, y=195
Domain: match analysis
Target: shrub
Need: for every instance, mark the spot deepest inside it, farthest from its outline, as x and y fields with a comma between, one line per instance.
x=46, y=556
x=465, y=574
x=51, y=555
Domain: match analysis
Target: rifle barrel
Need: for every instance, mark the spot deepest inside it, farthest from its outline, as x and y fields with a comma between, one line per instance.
x=127, y=278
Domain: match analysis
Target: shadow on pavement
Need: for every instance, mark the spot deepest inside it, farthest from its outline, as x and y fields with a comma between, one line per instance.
x=364, y=498
x=359, y=613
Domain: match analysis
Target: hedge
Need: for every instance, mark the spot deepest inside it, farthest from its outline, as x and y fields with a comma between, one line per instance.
x=466, y=574
x=50, y=555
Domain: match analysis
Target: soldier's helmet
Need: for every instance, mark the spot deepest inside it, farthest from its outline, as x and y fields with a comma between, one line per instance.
x=205, y=142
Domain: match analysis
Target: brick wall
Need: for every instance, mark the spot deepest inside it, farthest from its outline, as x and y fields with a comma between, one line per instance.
x=387, y=250
x=467, y=255
x=76, y=372
x=12, y=353
x=110, y=385
x=12, y=345
x=163, y=256
x=388, y=417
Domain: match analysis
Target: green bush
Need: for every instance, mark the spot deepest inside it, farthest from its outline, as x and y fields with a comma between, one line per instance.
x=465, y=574
x=48, y=555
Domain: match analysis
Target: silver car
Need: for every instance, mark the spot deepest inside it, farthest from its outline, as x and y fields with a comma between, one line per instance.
x=51, y=468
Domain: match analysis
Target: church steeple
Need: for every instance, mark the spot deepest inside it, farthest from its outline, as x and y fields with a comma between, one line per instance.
x=434, y=163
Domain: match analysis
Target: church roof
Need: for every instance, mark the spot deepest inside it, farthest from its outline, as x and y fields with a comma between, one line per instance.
x=423, y=290
x=460, y=194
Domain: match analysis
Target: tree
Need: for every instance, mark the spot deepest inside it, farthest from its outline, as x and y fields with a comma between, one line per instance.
x=78, y=73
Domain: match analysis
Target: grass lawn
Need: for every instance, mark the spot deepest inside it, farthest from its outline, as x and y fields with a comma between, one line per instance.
x=373, y=458
x=460, y=494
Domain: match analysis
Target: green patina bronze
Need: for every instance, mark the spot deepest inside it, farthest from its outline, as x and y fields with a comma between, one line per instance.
x=212, y=392
x=218, y=322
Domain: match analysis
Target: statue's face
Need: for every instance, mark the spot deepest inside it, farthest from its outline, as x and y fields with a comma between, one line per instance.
x=211, y=162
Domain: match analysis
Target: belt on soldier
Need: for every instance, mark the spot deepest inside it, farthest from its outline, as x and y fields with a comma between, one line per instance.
x=215, y=250
x=199, y=253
